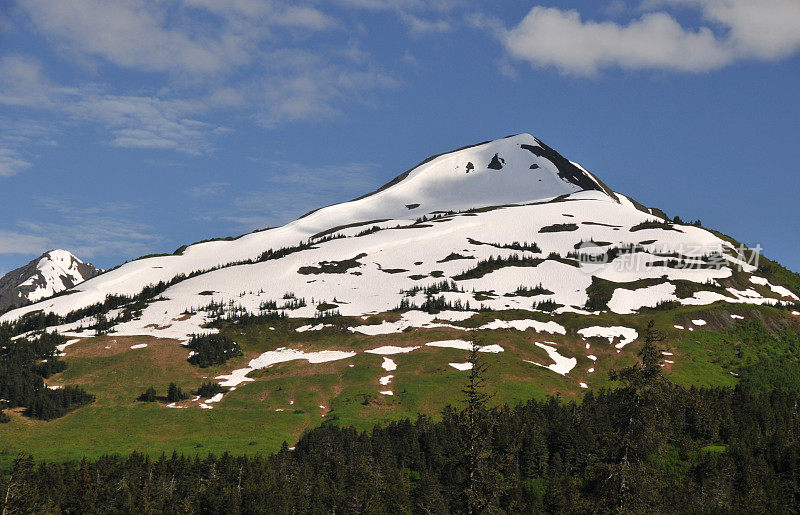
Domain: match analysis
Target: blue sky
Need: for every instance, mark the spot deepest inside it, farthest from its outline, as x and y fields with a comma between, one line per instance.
x=131, y=127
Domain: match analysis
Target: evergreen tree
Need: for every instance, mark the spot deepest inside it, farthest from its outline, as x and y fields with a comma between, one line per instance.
x=641, y=415
x=174, y=393
x=480, y=492
x=149, y=395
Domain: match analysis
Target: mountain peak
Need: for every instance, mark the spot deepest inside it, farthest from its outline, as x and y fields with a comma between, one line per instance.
x=512, y=170
x=53, y=272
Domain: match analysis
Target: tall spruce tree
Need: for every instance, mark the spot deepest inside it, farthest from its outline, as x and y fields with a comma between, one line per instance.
x=482, y=481
x=642, y=412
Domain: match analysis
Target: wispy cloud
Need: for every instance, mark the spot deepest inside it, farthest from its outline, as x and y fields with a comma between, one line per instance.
x=86, y=231
x=420, y=25
x=201, y=58
x=11, y=163
x=13, y=242
x=290, y=190
x=148, y=122
x=209, y=189
x=738, y=30
x=172, y=37
x=133, y=121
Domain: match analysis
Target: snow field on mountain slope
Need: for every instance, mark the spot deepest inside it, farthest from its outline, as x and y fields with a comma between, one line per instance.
x=376, y=290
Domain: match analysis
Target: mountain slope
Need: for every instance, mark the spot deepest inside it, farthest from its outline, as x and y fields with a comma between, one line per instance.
x=51, y=273
x=359, y=311
x=365, y=253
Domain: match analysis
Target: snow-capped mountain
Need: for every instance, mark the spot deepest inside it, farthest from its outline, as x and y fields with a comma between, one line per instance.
x=51, y=273
x=510, y=222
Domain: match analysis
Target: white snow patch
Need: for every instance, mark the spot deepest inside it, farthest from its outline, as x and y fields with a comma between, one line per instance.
x=461, y=366
x=60, y=348
x=592, y=357
x=385, y=380
x=625, y=334
x=318, y=327
x=699, y=322
x=465, y=345
x=628, y=301
x=413, y=318
x=390, y=349
x=280, y=355
x=737, y=317
x=583, y=385
x=139, y=346
x=387, y=392
x=676, y=326
x=780, y=290
x=521, y=325
x=562, y=364
x=388, y=364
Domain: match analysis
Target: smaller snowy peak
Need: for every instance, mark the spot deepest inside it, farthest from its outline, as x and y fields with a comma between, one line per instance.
x=51, y=273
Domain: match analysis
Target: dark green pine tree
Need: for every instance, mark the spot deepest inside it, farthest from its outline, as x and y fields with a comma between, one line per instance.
x=174, y=393
x=643, y=411
x=482, y=484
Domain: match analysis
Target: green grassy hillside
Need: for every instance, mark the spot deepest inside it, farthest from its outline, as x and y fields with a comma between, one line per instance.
x=289, y=398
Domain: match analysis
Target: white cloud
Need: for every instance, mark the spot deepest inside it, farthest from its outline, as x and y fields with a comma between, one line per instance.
x=89, y=237
x=744, y=30
x=147, y=122
x=199, y=58
x=173, y=36
x=23, y=83
x=11, y=163
x=767, y=29
x=404, y=5
x=422, y=26
x=133, y=121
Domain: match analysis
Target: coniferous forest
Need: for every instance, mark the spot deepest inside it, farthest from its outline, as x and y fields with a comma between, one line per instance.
x=647, y=445
x=24, y=365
